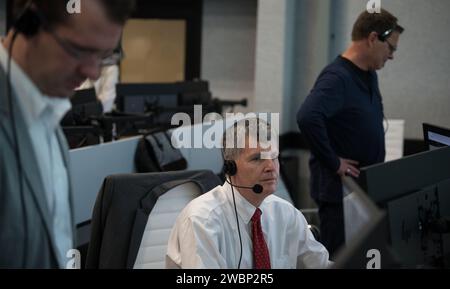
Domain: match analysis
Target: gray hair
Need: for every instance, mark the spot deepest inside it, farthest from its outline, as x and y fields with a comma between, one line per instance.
x=250, y=131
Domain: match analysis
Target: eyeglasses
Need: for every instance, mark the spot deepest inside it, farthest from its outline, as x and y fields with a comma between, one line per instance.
x=392, y=48
x=82, y=54
x=86, y=55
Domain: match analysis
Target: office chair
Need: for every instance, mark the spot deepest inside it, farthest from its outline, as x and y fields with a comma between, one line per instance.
x=153, y=247
x=134, y=214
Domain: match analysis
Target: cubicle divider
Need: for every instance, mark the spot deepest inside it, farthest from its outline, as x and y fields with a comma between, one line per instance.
x=89, y=166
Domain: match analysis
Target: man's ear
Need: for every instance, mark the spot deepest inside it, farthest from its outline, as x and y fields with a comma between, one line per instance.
x=372, y=38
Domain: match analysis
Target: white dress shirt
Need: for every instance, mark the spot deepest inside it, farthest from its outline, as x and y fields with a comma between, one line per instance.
x=206, y=236
x=42, y=115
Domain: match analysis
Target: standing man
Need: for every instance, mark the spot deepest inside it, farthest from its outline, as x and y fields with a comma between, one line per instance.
x=342, y=118
x=44, y=57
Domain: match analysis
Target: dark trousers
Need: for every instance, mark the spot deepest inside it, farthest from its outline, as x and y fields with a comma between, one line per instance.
x=332, y=234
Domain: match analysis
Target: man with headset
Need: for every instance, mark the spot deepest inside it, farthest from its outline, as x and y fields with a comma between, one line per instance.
x=241, y=224
x=342, y=118
x=44, y=57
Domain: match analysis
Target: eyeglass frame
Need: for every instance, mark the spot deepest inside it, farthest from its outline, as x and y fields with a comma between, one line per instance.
x=392, y=47
x=383, y=38
x=79, y=53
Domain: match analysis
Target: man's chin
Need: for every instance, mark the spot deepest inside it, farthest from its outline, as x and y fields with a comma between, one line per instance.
x=270, y=189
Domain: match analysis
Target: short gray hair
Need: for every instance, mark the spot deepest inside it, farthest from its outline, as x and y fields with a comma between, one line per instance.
x=241, y=131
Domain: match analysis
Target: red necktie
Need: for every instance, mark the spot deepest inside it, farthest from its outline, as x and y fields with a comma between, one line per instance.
x=261, y=259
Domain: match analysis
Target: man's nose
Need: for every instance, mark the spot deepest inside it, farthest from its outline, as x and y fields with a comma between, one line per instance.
x=90, y=70
x=269, y=165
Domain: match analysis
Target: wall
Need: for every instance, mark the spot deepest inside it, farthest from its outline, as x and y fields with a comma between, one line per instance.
x=312, y=41
x=154, y=51
x=228, y=47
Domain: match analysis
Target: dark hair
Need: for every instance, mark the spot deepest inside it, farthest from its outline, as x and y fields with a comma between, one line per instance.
x=374, y=22
x=55, y=12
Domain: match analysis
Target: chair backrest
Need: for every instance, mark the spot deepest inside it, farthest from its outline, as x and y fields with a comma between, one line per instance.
x=152, y=251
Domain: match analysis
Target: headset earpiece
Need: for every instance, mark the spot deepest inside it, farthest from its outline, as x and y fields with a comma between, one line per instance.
x=229, y=167
x=383, y=36
x=28, y=23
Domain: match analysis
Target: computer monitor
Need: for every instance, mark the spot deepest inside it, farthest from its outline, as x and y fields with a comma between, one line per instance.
x=77, y=123
x=140, y=98
x=414, y=237
x=435, y=136
x=390, y=180
x=366, y=232
x=84, y=105
x=83, y=96
x=415, y=192
x=161, y=100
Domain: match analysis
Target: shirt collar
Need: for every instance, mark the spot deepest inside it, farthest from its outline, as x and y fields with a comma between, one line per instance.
x=31, y=101
x=244, y=208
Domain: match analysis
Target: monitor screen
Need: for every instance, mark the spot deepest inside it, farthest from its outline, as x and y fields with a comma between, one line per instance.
x=77, y=123
x=83, y=96
x=161, y=100
x=411, y=237
x=84, y=105
x=435, y=136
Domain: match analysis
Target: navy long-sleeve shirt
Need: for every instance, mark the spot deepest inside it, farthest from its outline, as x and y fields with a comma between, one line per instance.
x=341, y=117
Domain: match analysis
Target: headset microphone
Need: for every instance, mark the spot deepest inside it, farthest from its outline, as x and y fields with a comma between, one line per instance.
x=230, y=168
x=257, y=189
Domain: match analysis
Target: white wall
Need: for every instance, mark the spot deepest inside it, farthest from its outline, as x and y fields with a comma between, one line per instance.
x=269, y=51
x=312, y=45
x=292, y=48
x=228, y=47
x=271, y=70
